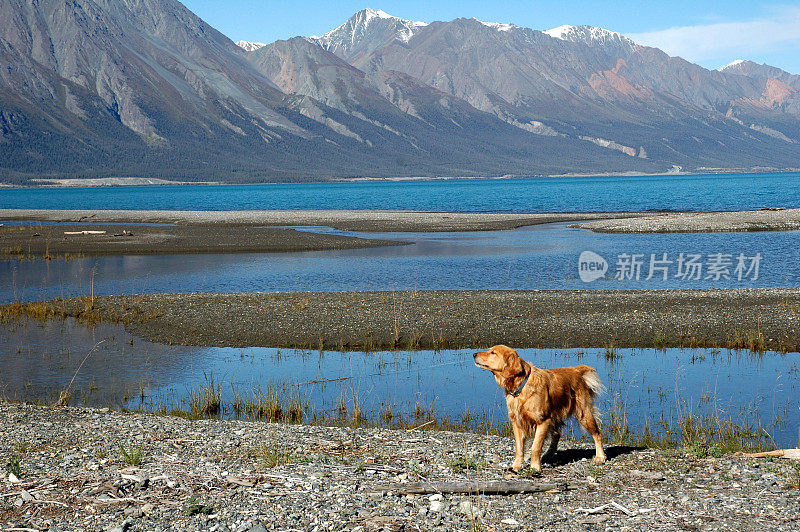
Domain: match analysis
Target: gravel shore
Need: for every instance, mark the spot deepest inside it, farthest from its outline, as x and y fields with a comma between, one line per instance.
x=371, y=221
x=388, y=221
x=735, y=318
x=701, y=222
x=37, y=241
x=251, y=476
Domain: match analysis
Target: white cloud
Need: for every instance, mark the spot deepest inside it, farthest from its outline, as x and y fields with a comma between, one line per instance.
x=728, y=39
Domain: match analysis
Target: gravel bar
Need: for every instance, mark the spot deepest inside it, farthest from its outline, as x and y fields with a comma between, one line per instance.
x=37, y=241
x=370, y=221
x=253, y=476
x=701, y=222
x=738, y=318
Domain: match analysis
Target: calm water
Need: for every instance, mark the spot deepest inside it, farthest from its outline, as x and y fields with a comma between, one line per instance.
x=538, y=257
x=38, y=361
x=567, y=194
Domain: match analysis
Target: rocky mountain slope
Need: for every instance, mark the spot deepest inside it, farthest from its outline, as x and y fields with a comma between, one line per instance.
x=392, y=112
x=144, y=88
x=596, y=85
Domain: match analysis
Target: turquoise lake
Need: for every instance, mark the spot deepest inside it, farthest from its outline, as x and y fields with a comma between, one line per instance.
x=567, y=194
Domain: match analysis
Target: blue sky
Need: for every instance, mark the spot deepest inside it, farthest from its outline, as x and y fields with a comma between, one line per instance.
x=711, y=33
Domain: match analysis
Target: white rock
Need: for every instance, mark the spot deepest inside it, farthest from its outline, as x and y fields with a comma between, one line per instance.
x=436, y=506
x=470, y=510
x=435, y=497
x=510, y=521
x=13, y=478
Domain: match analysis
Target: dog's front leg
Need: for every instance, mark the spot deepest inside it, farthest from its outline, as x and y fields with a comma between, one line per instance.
x=538, y=442
x=519, y=443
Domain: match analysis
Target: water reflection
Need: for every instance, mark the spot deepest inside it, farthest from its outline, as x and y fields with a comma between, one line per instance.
x=38, y=361
x=538, y=257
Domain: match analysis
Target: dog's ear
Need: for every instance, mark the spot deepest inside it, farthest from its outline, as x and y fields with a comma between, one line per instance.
x=513, y=366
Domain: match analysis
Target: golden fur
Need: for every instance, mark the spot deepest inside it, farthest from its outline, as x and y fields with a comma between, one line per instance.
x=548, y=398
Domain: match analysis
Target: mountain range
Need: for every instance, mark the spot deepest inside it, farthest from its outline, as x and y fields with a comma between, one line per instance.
x=144, y=88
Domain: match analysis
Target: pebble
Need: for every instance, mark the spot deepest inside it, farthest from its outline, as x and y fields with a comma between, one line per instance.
x=469, y=510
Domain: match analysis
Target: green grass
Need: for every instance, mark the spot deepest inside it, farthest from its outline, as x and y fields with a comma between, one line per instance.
x=132, y=455
x=476, y=526
x=610, y=351
x=528, y=472
x=207, y=401
x=752, y=340
x=660, y=341
x=15, y=467
x=276, y=405
x=465, y=463
x=274, y=455
x=794, y=481
x=193, y=507
x=711, y=434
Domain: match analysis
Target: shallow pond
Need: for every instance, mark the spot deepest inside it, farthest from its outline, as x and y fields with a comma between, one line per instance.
x=107, y=366
x=538, y=257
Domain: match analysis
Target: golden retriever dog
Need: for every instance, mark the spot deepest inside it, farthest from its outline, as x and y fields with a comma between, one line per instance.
x=539, y=401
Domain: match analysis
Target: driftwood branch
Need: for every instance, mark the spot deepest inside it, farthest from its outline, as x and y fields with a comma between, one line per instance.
x=487, y=487
x=792, y=454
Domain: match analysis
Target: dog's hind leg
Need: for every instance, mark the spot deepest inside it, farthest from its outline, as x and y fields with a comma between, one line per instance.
x=588, y=421
x=538, y=441
x=555, y=435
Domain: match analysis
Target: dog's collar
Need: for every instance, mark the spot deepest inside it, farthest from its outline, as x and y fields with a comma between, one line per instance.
x=518, y=391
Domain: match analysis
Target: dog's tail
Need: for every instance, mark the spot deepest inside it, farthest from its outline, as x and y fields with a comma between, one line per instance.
x=592, y=380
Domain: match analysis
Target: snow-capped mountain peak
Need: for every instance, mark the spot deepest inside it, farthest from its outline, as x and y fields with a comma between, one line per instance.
x=499, y=26
x=588, y=35
x=365, y=31
x=380, y=13
x=249, y=46
x=732, y=64
x=366, y=18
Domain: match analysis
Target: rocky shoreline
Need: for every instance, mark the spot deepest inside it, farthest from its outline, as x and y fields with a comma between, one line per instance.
x=368, y=221
x=84, y=469
x=701, y=222
x=767, y=219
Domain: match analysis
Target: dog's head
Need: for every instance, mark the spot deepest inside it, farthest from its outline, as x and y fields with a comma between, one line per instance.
x=502, y=361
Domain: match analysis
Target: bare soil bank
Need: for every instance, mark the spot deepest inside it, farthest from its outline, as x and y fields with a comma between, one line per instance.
x=754, y=319
x=38, y=241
